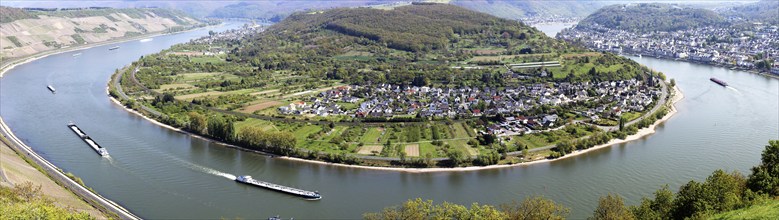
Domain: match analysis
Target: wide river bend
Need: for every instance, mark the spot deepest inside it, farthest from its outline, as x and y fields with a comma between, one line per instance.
x=159, y=173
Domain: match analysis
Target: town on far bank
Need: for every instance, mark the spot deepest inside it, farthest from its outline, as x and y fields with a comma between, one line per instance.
x=722, y=39
x=489, y=107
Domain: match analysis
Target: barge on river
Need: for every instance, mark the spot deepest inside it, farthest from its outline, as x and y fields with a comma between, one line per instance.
x=99, y=149
x=298, y=192
x=720, y=82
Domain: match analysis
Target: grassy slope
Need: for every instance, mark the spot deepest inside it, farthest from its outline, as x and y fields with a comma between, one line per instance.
x=767, y=210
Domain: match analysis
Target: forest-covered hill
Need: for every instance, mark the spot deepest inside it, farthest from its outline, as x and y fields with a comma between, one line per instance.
x=404, y=40
x=766, y=11
x=651, y=17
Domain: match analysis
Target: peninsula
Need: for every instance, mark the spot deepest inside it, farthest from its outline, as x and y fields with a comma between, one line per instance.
x=424, y=85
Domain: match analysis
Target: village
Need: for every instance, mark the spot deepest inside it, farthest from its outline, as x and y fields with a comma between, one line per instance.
x=607, y=100
x=723, y=46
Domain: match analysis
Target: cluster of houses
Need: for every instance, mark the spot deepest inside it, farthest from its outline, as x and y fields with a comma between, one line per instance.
x=232, y=34
x=724, y=46
x=387, y=101
x=535, y=20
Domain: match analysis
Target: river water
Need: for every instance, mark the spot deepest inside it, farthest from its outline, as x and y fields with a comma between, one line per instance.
x=551, y=29
x=159, y=173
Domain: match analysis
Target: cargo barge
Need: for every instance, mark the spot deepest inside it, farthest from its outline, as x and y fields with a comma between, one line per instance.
x=99, y=149
x=720, y=82
x=51, y=89
x=114, y=48
x=298, y=192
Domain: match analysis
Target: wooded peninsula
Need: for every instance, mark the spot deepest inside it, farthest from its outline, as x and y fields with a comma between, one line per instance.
x=423, y=85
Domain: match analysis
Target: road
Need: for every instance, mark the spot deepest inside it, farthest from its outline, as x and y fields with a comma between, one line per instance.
x=58, y=176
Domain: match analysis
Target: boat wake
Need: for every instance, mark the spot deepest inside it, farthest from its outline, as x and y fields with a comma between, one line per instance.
x=203, y=169
x=218, y=173
x=734, y=89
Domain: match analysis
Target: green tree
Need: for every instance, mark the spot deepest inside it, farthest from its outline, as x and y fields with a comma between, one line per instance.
x=611, y=207
x=221, y=128
x=565, y=147
x=728, y=190
x=197, y=122
x=622, y=122
x=691, y=199
x=765, y=176
x=424, y=209
x=535, y=208
x=456, y=157
x=658, y=208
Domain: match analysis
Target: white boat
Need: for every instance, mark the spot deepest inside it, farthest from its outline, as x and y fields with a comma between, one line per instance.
x=77, y=54
x=51, y=89
x=285, y=189
x=146, y=40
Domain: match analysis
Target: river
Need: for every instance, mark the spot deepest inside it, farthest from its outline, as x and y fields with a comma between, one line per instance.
x=158, y=173
x=551, y=29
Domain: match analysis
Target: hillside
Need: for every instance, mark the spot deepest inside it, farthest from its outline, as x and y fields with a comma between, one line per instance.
x=29, y=32
x=420, y=36
x=276, y=10
x=520, y=9
x=645, y=18
x=8, y=14
x=766, y=11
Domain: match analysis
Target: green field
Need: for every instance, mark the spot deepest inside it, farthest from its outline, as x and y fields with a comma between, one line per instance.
x=207, y=59
x=265, y=125
x=192, y=77
x=767, y=210
x=537, y=140
x=371, y=136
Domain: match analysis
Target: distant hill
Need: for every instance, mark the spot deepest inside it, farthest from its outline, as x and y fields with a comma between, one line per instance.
x=276, y=10
x=512, y=9
x=27, y=32
x=766, y=11
x=408, y=40
x=644, y=17
x=8, y=14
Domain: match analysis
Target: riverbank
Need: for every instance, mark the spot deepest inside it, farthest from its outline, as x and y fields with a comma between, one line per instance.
x=676, y=96
x=25, y=153
x=725, y=66
x=56, y=174
x=13, y=62
x=15, y=170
